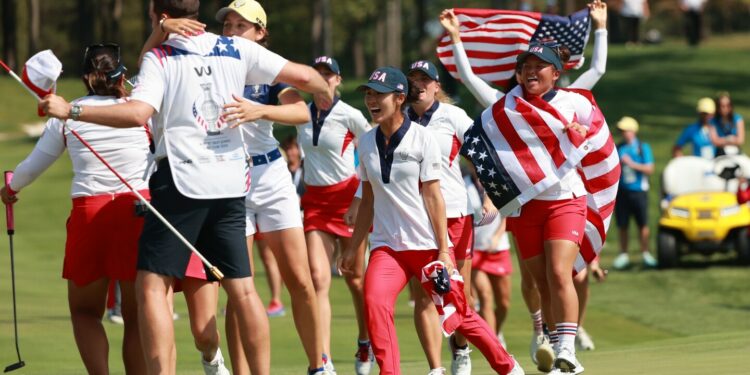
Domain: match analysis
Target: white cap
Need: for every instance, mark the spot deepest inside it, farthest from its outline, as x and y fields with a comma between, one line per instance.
x=41, y=71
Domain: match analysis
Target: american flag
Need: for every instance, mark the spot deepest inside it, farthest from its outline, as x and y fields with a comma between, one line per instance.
x=519, y=149
x=493, y=38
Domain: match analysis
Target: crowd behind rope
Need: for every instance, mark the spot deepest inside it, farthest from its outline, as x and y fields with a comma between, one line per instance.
x=396, y=179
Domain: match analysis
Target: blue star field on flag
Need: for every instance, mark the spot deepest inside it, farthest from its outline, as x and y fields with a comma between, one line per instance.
x=570, y=31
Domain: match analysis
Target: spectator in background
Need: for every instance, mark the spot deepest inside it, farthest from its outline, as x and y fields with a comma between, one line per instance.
x=693, y=10
x=632, y=195
x=697, y=134
x=633, y=12
x=293, y=155
x=728, y=130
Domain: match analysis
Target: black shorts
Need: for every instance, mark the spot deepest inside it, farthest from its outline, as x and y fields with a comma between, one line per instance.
x=631, y=203
x=216, y=227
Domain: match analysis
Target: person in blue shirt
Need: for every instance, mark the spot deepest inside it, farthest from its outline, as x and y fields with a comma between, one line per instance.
x=728, y=128
x=698, y=134
x=632, y=195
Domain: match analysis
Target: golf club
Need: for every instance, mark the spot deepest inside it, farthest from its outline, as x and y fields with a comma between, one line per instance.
x=11, y=229
x=215, y=271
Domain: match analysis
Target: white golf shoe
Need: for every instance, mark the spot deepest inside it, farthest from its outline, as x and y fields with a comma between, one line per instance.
x=461, y=363
x=583, y=340
x=216, y=366
x=567, y=363
x=544, y=355
x=517, y=370
x=363, y=359
x=437, y=371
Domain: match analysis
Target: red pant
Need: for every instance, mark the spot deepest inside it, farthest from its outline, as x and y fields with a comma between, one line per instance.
x=387, y=274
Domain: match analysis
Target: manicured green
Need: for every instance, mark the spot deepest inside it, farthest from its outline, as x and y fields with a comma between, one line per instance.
x=685, y=321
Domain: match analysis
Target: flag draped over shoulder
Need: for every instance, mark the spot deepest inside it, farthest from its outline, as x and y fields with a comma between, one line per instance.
x=520, y=149
x=493, y=38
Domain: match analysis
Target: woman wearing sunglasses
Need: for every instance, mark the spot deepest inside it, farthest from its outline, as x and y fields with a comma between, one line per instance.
x=104, y=225
x=400, y=168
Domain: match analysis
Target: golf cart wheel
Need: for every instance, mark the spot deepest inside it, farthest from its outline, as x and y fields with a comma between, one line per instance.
x=668, y=250
x=742, y=246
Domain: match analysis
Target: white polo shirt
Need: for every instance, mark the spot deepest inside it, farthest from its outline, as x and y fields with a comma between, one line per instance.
x=395, y=172
x=328, y=142
x=187, y=81
x=448, y=124
x=258, y=135
x=126, y=150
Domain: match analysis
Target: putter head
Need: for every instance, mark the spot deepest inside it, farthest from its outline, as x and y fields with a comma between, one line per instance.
x=15, y=366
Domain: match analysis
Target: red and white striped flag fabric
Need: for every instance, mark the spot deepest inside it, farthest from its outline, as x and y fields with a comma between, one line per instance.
x=451, y=306
x=493, y=38
x=521, y=149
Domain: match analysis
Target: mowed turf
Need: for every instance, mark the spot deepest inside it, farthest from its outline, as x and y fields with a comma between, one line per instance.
x=688, y=321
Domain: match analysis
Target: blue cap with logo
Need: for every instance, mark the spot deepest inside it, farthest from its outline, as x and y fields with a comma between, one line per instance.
x=328, y=62
x=545, y=51
x=425, y=67
x=386, y=79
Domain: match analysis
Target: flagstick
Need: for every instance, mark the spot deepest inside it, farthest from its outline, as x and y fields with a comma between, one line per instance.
x=213, y=269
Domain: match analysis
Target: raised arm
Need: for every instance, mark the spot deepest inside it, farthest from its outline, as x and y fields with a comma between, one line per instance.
x=166, y=26
x=482, y=91
x=308, y=80
x=589, y=78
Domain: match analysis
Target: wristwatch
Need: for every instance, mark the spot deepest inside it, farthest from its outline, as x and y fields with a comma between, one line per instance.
x=75, y=112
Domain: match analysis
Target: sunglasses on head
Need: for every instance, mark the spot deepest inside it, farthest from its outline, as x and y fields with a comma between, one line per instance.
x=112, y=49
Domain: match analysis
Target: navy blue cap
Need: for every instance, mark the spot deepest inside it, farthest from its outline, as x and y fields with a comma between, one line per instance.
x=328, y=62
x=387, y=79
x=426, y=67
x=547, y=51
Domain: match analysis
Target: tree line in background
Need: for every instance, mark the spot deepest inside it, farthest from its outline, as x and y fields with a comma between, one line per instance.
x=361, y=34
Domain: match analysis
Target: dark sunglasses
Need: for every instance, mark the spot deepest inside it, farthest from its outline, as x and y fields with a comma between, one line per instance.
x=112, y=49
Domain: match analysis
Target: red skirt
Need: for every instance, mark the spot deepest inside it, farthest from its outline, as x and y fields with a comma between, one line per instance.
x=103, y=233
x=324, y=207
x=496, y=264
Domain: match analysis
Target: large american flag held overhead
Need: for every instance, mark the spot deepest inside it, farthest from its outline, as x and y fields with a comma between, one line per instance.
x=519, y=149
x=493, y=38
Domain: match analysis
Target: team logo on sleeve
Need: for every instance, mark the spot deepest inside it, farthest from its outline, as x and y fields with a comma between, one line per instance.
x=207, y=110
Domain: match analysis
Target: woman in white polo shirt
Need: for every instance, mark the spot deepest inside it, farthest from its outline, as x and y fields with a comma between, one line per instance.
x=328, y=142
x=401, y=199
x=430, y=107
x=103, y=227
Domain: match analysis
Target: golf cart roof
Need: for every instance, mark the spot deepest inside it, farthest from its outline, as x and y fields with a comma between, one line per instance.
x=690, y=174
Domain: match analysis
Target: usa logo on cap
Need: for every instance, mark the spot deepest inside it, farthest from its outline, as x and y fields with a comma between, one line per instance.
x=536, y=49
x=378, y=76
x=420, y=64
x=324, y=60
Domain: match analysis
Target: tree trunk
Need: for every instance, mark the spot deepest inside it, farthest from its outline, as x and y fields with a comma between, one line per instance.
x=115, y=29
x=322, y=43
x=393, y=33
x=380, y=37
x=33, y=10
x=10, y=51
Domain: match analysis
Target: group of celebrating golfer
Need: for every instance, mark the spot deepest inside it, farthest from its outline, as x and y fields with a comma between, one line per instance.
x=196, y=136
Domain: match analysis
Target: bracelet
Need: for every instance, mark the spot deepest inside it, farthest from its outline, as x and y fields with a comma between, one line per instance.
x=161, y=24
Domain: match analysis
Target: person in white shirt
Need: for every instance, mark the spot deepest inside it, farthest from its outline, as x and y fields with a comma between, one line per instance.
x=430, y=108
x=400, y=167
x=633, y=12
x=328, y=143
x=693, y=10
x=203, y=174
x=272, y=191
x=486, y=96
x=103, y=228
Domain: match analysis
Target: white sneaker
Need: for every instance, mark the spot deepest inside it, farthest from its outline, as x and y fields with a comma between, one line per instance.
x=545, y=356
x=536, y=340
x=461, y=363
x=363, y=359
x=583, y=340
x=437, y=371
x=216, y=366
x=328, y=366
x=621, y=261
x=517, y=370
x=320, y=372
x=567, y=362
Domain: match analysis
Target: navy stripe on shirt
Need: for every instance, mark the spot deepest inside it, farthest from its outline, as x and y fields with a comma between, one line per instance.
x=318, y=118
x=426, y=117
x=385, y=152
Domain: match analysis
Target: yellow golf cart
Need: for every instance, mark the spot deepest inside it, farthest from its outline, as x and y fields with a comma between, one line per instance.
x=700, y=213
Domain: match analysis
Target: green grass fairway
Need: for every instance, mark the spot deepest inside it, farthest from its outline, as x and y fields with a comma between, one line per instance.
x=686, y=321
